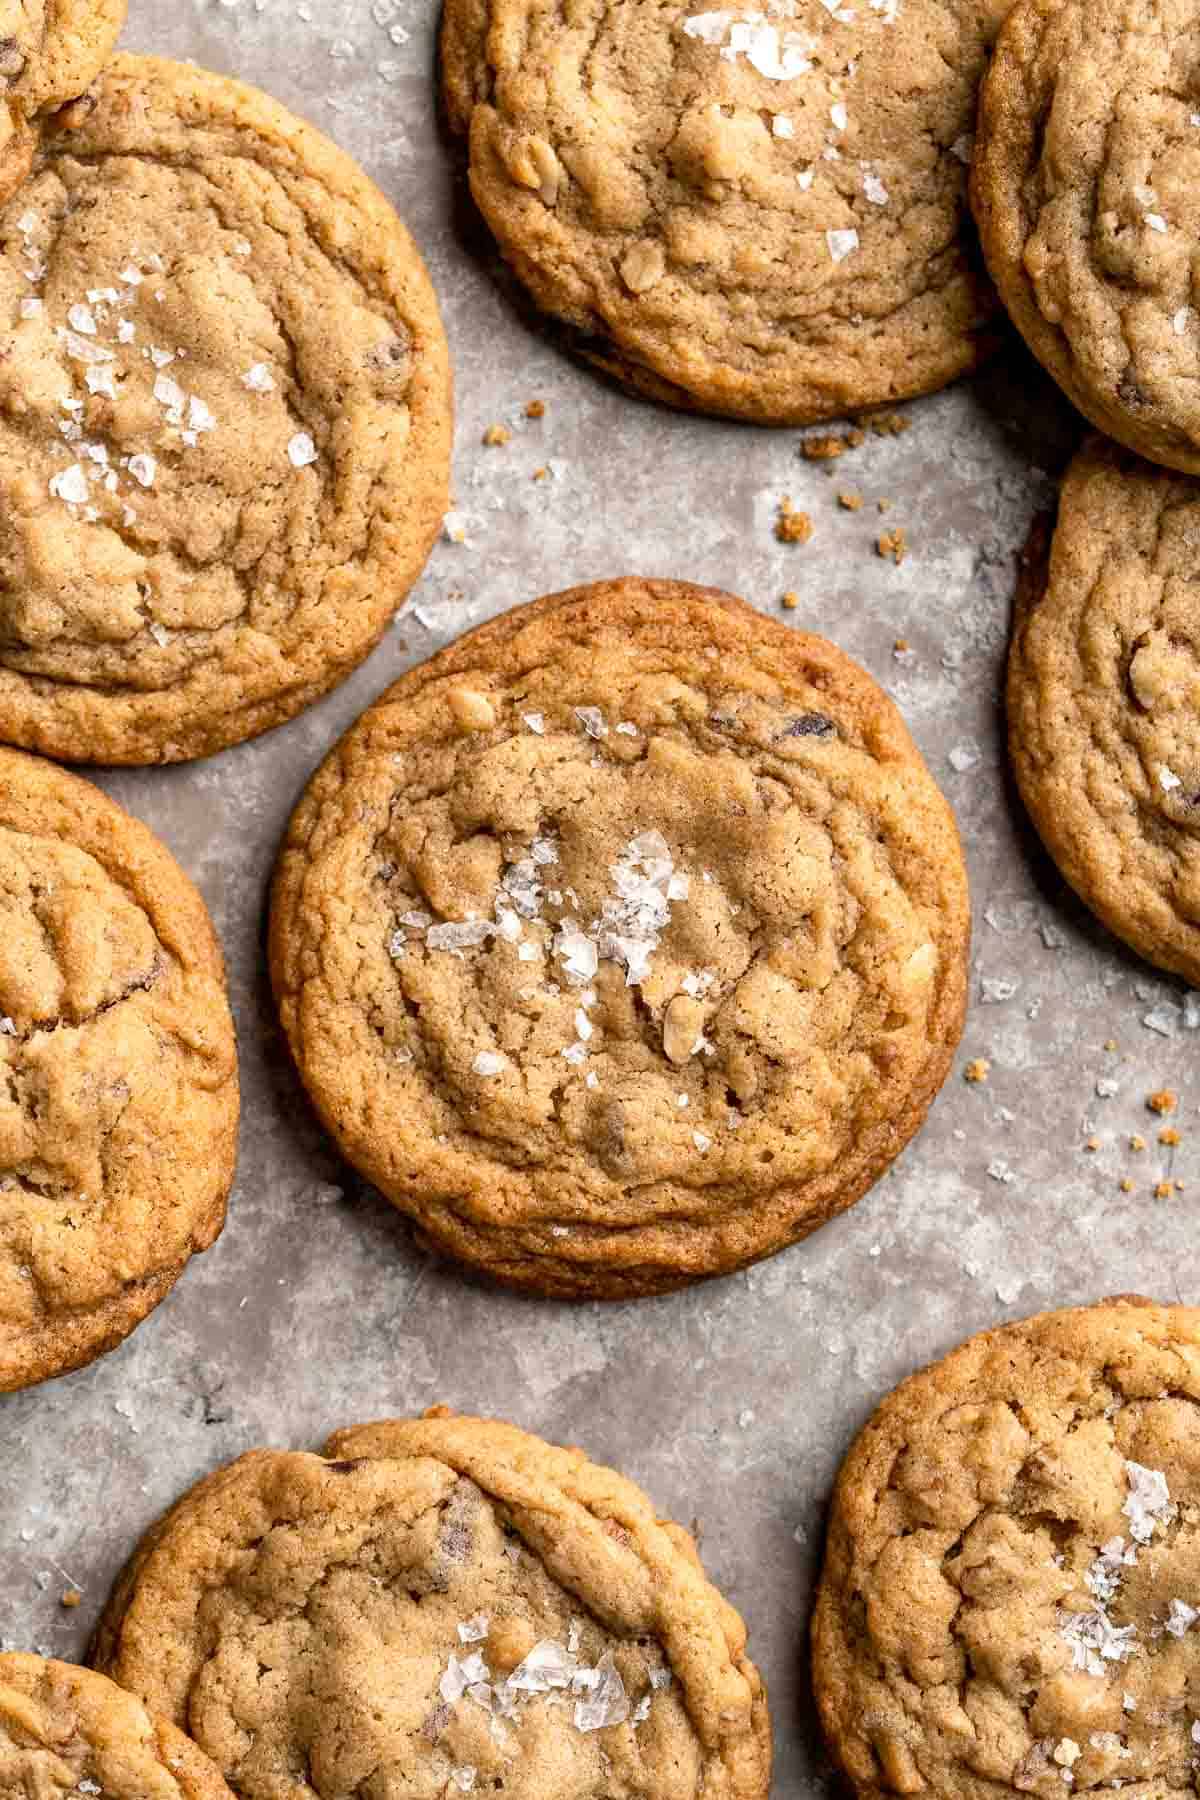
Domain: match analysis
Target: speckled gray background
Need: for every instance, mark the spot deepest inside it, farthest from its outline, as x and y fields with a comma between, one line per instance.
x=733, y=1403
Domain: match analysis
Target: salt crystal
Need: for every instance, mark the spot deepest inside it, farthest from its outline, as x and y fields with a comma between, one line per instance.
x=702, y=1141
x=259, y=379
x=841, y=244
x=1181, y=1618
x=489, y=1062
x=31, y=308
x=1156, y=222
x=782, y=127
x=874, y=190
x=1148, y=1503
x=301, y=450
x=839, y=115
x=81, y=319
x=99, y=380
x=143, y=468
x=607, y=1704
x=535, y=721
x=592, y=720
x=964, y=757
x=1163, y=1019
x=994, y=991
x=70, y=485
x=1000, y=1171
x=475, y=1629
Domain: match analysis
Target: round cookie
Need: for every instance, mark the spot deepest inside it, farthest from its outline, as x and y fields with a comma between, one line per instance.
x=66, y=1731
x=447, y=1604
x=752, y=214
x=1013, y=1567
x=1104, y=699
x=1086, y=187
x=624, y=942
x=50, y=51
x=224, y=421
x=118, y=1073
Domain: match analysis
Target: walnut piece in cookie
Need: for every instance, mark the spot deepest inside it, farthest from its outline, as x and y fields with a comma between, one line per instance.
x=1104, y=698
x=758, y=214
x=1086, y=187
x=118, y=1073
x=1012, y=1574
x=623, y=943
x=444, y=1604
x=213, y=497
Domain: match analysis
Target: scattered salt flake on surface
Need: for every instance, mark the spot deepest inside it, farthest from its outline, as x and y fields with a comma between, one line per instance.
x=457, y=935
x=27, y=222
x=1148, y=1503
x=592, y=720
x=460, y=1674
x=159, y=633
x=608, y=1703
x=782, y=127
x=474, y=1630
x=1181, y=1618
x=874, y=190
x=1163, y=1019
x=702, y=1141
x=660, y=1679
x=993, y=990
x=544, y=850
x=463, y=1777
x=258, y=378
x=1053, y=936
x=7, y=1028
x=641, y=1711
x=99, y=380
x=81, y=318
x=301, y=450
x=626, y=729
x=841, y=244
x=804, y=180
x=1107, y=1088
x=1067, y=1752
x=1183, y=321
x=130, y=276
x=1191, y=1012
x=1000, y=1171
x=536, y=722
x=454, y=528
x=70, y=484
x=528, y=952
x=489, y=1062
x=583, y=1025
x=1129, y=1705
x=143, y=468
x=31, y=308
x=1168, y=781
x=574, y=1053
x=839, y=115
x=964, y=147
x=963, y=757
x=1156, y=222
x=242, y=246
x=89, y=1787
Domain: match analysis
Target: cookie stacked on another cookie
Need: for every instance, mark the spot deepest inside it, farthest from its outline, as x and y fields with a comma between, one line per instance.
x=1012, y=1581
x=748, y=212
x=50, y=52
x=66, y=1731
x=118, y=1073
x=439, y=1606
x=624, y=942
x=224, y=421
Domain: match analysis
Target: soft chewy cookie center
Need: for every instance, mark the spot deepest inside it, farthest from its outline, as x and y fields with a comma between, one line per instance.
x=410, y=1641
x=183, y=366
x=661, y=929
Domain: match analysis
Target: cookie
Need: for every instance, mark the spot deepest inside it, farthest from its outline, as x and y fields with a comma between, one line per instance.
x=50, y=51
x=623, y=943
x=1086, y=186
x=66, y=1731
x=1013, y=1567
x=224, y=422
x=1103, y=698
x=448, y=1604
x=753, y=214
x=118, y=1073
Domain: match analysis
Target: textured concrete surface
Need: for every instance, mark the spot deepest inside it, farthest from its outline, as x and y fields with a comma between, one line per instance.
x=732, y=1403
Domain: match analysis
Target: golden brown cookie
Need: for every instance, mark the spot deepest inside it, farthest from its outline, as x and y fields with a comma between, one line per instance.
x=449, y=1604
x=1011, y=1591
x=1104, y=699
x=1086, y=187
x=224, y=421
x=118, y=1073
x=752, y=213
x=50, y=51
x=66, y=1731
x=623, y=942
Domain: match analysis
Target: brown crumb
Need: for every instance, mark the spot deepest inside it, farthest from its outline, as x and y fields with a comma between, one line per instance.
x=1127, y=1186
x=885, y=506
x=850, y=502
x=1093, y=1143
x=1137, y=1142
x=71, y=1598
x=977, y=1070
x=1163, y=1191
x=1110, y=1044
x=535, y=409
x=541, y=474
x=495, y=435
x=901, y=647
x=1164, y=1101
x=792, y=527
x=1169, y=1136
x=831, y=444
x=790, y=601
x=893, y=544
x=888, y=424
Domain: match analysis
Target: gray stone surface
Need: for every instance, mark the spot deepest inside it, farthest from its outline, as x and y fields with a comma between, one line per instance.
x=733, y=1403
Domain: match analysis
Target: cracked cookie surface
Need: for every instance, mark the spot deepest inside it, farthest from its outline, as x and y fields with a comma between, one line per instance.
x=1104, y=699
x=756, y=214
x=1012, y=1578
x=224, y=421
x=1086, y=187
x=118, y=1073
x=446, y=1604
x=623, y=942
x=66, y=1731
x=50, y=51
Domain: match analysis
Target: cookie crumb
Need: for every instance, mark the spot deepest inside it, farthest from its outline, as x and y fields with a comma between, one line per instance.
x=1164, y=1101
x=535, y=409
x=850, y=501
x=790, y=601
x=70, y=1598
x=496, y=435
x=542, y=474
x=829, y=445
x=1137, y=1142
x=901, y=647
x=1127, y=1186
x=1169, y=1136
x=1110, y=1044
x=1093, y=1143
x=977, y=1070
x=893, y=544
x=1163, y=1191
x=792, y=527
x=888, y=424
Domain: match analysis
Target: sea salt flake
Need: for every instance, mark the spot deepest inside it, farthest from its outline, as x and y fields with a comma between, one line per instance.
x=782, y=127
x=999, y=1170
x=592, y=720
x=874, y=190
x=81, y=318
x=702, y=1141
x=1163, y=1019
x=839, y=115
x=963, y=757
x=1183, y=321
x=574, y=1053
x=143, y=467
x=259, y=379
x=841, y=244
x=474, y=1630
x=489, y=1062
x=1148, y=1503
x=99, y=380
x=463, y=1777
x=804, y=180
x=31, y=308
x=1168, y=781
x=993, y=991
x=536, y=723
x=7, y=1028
x=607, y=1703
x=459, y=935
x=626, y=729
x=130, y=276
x=301, y=450
x=1156, y=222
x=70, y=485
x=1181, y=1618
